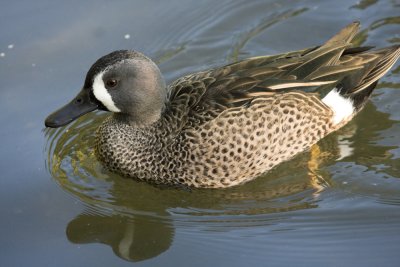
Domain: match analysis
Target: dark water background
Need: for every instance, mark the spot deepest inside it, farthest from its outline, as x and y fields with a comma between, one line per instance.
x=337, y=205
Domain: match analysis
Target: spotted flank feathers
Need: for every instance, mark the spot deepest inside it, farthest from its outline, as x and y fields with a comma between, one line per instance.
x=226, y=126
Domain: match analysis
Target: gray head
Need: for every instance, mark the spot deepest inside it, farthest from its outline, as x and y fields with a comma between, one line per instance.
x=124, y=82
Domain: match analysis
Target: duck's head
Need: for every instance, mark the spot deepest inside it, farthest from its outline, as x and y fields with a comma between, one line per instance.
x=124, y=82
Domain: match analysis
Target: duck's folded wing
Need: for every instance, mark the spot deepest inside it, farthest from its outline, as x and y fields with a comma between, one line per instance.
x=200, y=97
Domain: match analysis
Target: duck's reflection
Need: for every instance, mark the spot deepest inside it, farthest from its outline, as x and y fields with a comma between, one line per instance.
x=138, y=220
x=133, y=239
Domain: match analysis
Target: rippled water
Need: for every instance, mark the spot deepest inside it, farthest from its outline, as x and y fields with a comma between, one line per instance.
x=335, y=205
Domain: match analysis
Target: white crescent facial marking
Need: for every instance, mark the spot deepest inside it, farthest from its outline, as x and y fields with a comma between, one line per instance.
x=342, y=107
x=101, y=93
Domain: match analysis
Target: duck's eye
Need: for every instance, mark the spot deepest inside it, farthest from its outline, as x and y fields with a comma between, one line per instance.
x=111, y=83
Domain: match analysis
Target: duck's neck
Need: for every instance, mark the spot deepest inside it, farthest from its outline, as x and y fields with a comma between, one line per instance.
x=143, y=121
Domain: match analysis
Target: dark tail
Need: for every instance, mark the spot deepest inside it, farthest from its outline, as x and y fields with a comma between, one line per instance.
x=359, y=85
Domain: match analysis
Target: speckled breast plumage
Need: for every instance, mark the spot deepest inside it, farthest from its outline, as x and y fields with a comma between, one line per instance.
x=237, y=146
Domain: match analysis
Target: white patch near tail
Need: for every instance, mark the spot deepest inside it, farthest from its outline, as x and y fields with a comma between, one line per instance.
x=342, y=107
x=101, y=93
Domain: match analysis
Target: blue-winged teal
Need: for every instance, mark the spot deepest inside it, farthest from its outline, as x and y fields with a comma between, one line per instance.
x=225, y=126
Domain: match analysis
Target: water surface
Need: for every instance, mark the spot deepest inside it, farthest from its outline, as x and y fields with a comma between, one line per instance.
x=336, y=205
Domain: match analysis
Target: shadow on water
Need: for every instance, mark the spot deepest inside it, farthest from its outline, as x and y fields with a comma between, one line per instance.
x=133, y=239
x=138, y=220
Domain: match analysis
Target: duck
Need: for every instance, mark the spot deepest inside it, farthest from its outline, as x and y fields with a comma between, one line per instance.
x=224, y=126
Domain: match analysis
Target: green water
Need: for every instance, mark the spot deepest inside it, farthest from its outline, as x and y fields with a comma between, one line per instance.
x=336, y=205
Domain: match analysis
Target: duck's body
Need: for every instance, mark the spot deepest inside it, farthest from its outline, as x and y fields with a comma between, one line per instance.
x=232, y=148
x=226, y=126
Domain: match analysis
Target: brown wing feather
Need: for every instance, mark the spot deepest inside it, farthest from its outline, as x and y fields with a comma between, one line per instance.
x=202, y=96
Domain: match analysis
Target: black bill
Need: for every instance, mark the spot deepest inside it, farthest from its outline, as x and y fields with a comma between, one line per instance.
x=83, y=103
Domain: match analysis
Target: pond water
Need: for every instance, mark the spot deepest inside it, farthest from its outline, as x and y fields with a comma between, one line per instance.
x=336, y=205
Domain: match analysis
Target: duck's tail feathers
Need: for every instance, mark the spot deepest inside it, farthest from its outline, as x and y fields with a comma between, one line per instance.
x=345, y=36
x=359, y=85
